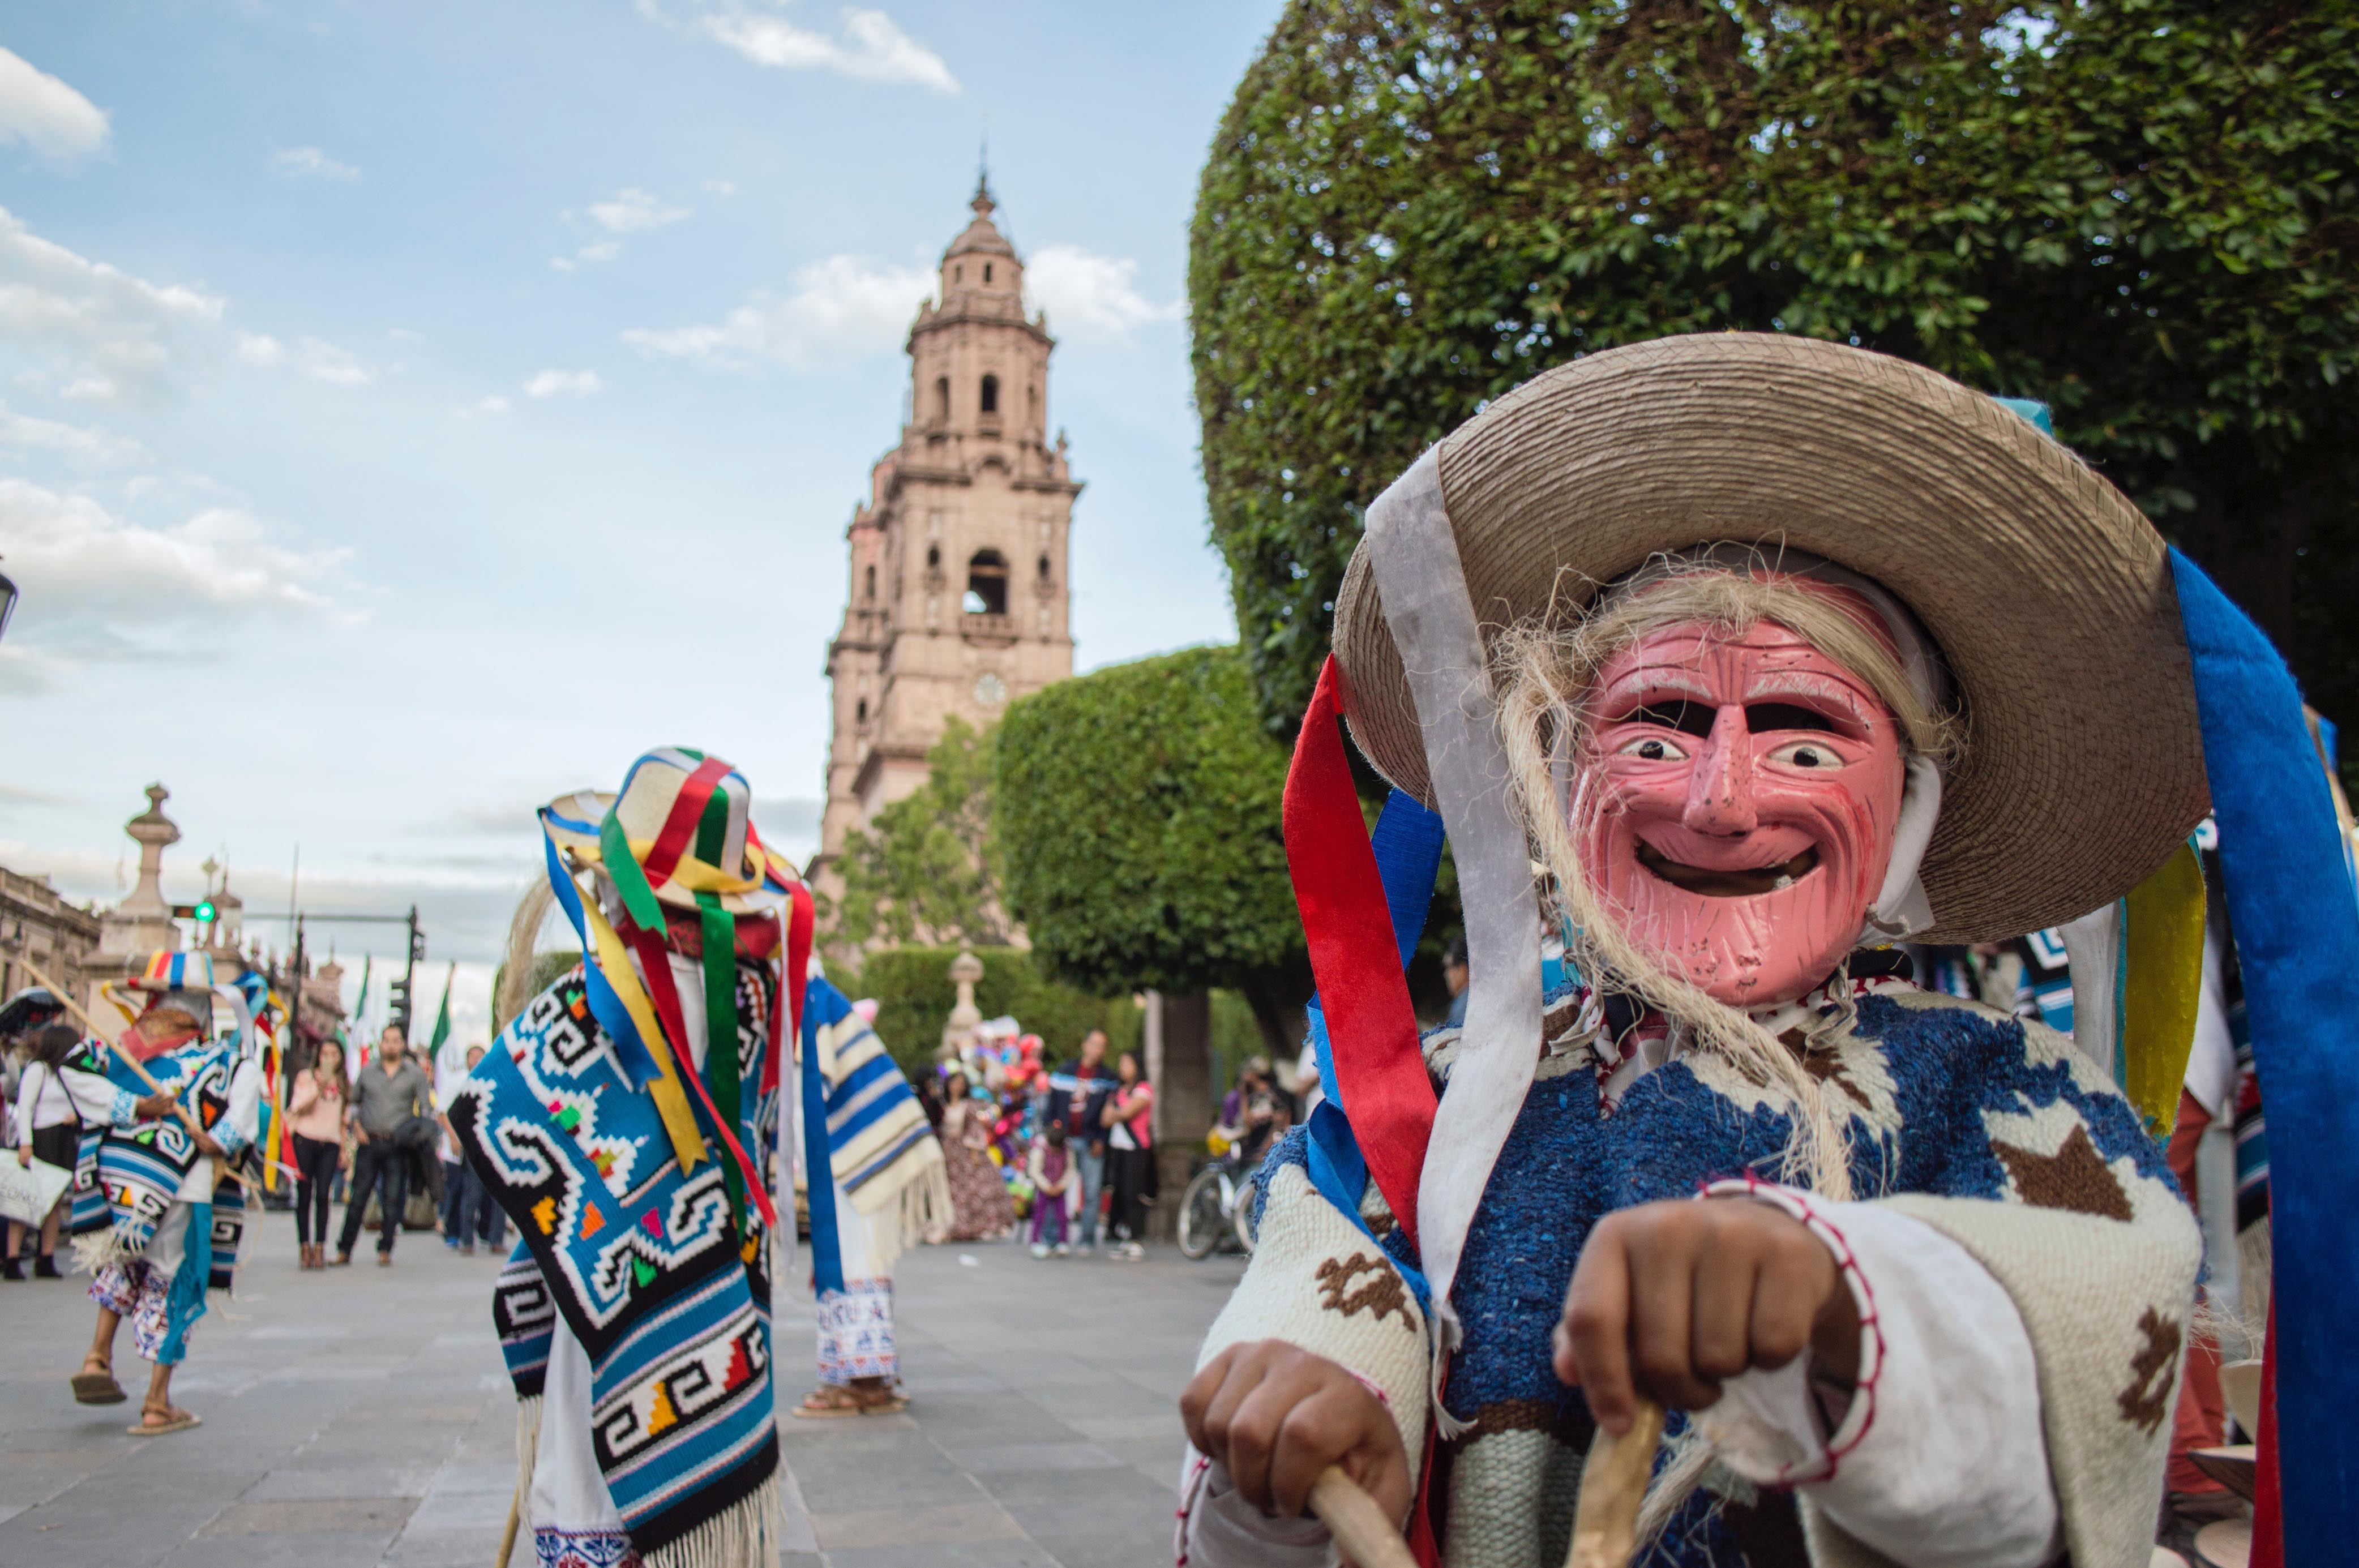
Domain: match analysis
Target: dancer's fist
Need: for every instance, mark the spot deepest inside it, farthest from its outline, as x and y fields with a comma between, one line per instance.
x=1277, y=1416
x=1673, y=1299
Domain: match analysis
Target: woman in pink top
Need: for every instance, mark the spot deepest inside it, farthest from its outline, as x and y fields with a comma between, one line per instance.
x=1130, y=1118
x=316, y=1117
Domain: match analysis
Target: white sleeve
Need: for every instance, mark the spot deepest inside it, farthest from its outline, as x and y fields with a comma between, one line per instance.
x=242, y=1123
x=28, y=1099
x=1941, y=1459
x=1218, y=1529
x=98, y=1099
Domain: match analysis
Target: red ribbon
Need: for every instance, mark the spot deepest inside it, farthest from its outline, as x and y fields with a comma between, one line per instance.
x=1371, y=1028
x=687, y=813
x=2268, y=1497
x=793, y=983
x=665, y=996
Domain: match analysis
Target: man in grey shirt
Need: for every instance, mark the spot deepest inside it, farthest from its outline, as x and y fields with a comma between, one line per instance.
x=389, y=1091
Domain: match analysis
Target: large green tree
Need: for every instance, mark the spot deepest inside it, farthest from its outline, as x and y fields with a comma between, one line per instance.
x=1138, y=822
x=924, y=871
x=2144, y=211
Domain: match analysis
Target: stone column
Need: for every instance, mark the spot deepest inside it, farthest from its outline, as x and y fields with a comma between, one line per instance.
x=1179, y=1043
x=959, y=1029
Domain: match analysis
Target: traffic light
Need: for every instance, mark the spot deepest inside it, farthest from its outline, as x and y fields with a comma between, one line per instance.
x=398, y=1004
x=204, y=913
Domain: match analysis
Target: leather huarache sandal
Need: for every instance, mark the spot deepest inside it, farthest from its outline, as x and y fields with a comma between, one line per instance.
x=97, y=1388
x=828, y=1403
x=175, y=1419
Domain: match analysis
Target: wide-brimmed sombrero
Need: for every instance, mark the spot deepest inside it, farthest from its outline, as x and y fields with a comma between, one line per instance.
x=2049, y=594
x=685, y=820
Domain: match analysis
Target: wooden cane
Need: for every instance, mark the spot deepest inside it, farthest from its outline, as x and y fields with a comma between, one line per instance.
x=1363, y=1536
x=1613, y=1484
x=46, y=984
x=508, y=1536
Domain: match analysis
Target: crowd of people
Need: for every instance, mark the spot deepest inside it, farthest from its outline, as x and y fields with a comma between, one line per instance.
x=1061, y=1158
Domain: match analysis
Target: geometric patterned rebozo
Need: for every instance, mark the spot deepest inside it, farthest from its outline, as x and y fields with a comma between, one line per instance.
x=667, y=1296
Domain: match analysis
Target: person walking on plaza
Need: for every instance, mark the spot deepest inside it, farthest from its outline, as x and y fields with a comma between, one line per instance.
x=468, y=1212
x=1128, y=1119
x=625, y=1119
x=315, y=1115
x=979, y=1201
x=48, y=1128
x=389, y=1092
x=1078, y=1101
x=1051, y=1170
x=170, y=1162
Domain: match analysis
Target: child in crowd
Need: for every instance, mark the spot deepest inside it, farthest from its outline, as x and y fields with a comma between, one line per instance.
x=1053, y=1190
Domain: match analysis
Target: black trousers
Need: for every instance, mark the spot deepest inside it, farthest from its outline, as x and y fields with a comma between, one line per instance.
x=1133, y=1178
x=315, y=1168
x=378, y=1163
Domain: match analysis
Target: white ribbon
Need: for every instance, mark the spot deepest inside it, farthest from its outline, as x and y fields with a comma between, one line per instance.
x=1431, y=616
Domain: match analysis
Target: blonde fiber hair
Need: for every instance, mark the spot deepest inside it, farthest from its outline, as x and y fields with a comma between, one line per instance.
x=1544, y=674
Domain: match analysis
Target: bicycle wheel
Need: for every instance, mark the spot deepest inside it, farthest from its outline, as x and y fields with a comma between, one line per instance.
x=1201, y=1219
x=1244, y=1226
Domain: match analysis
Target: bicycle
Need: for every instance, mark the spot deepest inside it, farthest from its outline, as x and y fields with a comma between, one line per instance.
x=1217, y=1205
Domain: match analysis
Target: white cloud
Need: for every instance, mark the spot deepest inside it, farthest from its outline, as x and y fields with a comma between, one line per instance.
x=721, y=190
x=632, y=212
x=1091, y=297
x=42, y=114
x=90, y=331
x=562, y=262
x=842, y=305
x=598, y=251
x=310, y=163
x=83, y=446
x=101, y=586
x=320, y=361
x=490, y=408
x=869, y=45
x=563, y=383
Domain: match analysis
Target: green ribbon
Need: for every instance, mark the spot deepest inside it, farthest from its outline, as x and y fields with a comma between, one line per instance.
x=721, y=1065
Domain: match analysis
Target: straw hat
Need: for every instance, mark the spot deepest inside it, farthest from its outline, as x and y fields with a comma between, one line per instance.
x=2049, y=593
x=687, y=819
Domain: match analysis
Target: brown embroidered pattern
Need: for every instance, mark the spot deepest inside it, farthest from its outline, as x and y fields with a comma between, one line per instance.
x=2075, y=1177
x=2147, y=1398
x=1826, y=1067
x=1383, y=1293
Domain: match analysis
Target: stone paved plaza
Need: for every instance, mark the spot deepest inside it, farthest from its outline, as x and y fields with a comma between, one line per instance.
x=361, y=1416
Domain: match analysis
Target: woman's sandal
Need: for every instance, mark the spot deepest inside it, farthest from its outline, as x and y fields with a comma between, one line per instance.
x=97, y=1388
x=827, y=1402
x=175, y=1419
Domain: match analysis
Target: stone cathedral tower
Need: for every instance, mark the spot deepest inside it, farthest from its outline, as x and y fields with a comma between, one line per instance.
x=958, y=597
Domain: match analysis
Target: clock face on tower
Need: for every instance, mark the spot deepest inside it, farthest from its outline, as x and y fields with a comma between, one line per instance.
x=990, y=690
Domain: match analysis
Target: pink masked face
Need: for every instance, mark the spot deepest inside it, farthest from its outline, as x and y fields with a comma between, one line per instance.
x=1739, y=803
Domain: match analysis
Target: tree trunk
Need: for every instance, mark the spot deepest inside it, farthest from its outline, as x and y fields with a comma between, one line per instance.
x=1180, y=1064
x=1278, y=1011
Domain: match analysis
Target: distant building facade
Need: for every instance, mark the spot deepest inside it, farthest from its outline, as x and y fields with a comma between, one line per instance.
x=957, y=598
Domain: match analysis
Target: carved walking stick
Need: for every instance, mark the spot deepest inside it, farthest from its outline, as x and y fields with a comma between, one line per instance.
x=1612, y=1483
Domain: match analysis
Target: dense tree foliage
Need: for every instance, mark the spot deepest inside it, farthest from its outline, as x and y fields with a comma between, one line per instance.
x=923, y=872
x=1139, y=821
x=914, y=995
x=2141, y=210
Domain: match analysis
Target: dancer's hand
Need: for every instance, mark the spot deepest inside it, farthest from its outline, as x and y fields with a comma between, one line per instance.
x=1671, y=1298
x=1277, y=1416
x=152, y=1106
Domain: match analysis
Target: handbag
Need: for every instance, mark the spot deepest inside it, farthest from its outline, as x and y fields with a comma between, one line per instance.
x=29, y=1191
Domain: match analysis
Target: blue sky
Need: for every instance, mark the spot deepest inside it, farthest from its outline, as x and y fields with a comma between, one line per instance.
x=412, y=408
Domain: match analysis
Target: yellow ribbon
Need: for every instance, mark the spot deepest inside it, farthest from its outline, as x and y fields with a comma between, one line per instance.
x=670, y=1096
x=2164, y=981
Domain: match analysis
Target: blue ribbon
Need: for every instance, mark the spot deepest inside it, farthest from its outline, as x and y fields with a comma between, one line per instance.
x=819, y=1168
x=637, y=1063
x=2291, y=906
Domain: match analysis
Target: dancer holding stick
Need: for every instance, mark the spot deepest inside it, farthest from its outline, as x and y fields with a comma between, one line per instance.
x=1773, y=653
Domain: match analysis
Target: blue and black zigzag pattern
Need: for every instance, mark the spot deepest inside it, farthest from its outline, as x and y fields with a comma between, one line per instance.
x=649, y=1268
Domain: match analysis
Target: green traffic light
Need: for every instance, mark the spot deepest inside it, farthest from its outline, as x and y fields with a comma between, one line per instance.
x=205, y=914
